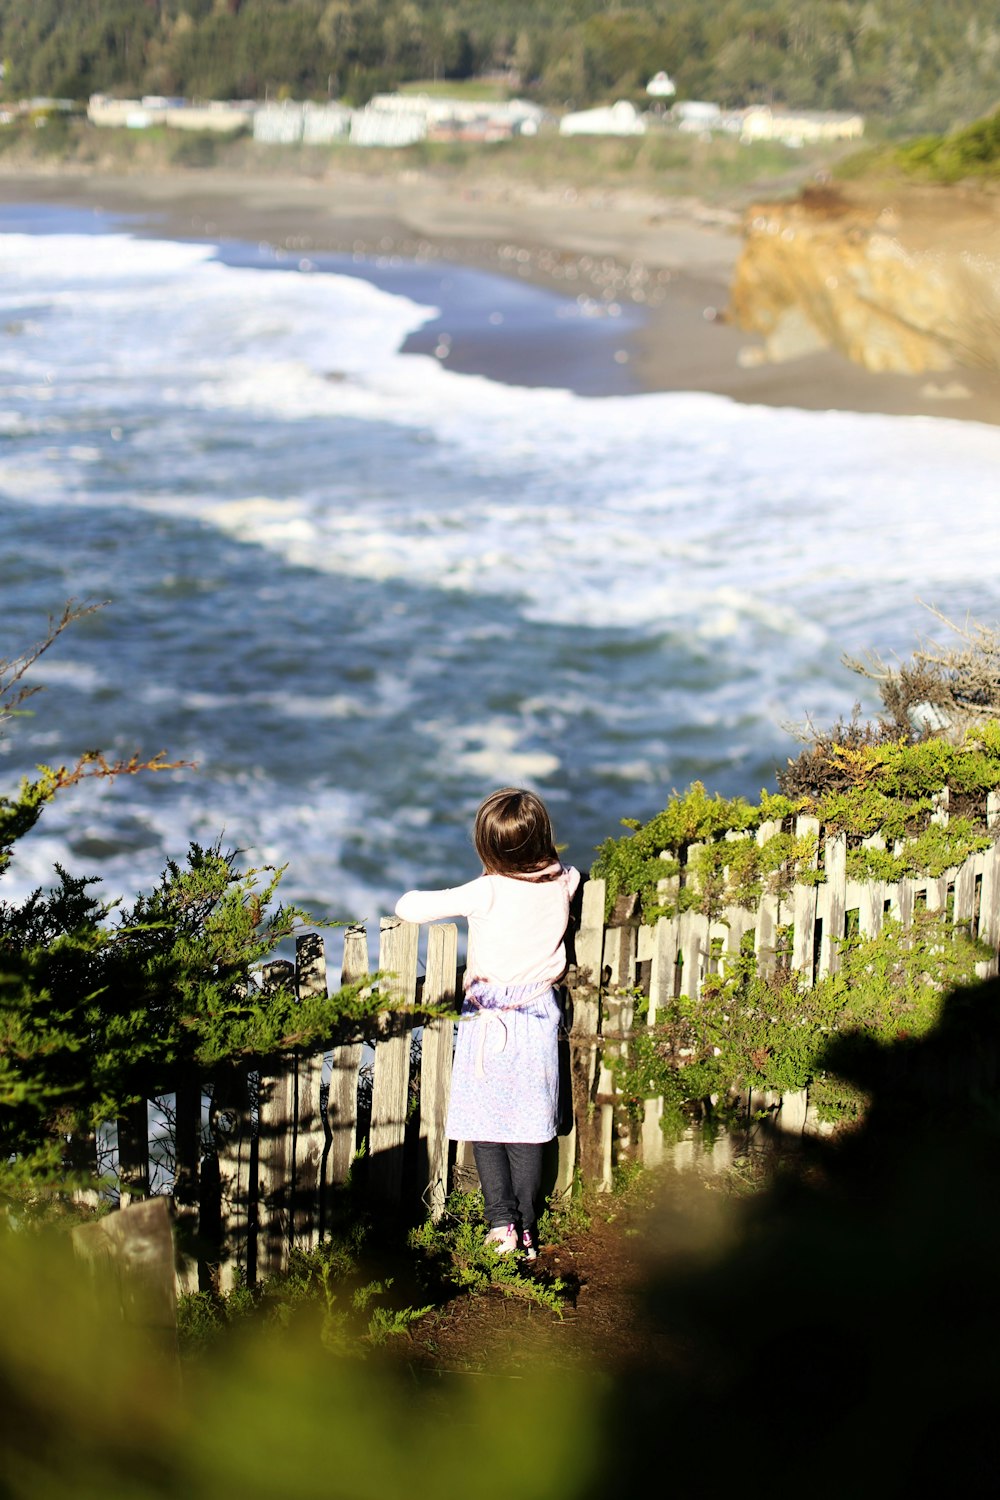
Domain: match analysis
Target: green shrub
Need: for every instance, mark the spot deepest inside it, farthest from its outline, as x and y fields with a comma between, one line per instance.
x=867, y=787
x=770, y=1032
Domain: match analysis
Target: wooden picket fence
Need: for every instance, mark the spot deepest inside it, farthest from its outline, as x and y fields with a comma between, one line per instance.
x=259, y=1157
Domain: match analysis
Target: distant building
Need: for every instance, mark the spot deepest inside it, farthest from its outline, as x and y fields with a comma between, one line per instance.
x=402, y=119
x=380, y=124
x=279, y=124
x=484, y=130
x=661, y=86
x=608, y=119
x=323, y=123
x=799, y=127
x=694, y=116
x=289, y=122
x=219, y=116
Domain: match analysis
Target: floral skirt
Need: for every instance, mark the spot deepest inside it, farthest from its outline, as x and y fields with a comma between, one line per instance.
x=505, y=1075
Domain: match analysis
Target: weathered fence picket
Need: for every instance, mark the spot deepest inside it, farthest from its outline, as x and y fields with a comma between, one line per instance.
x=226, y=1189
x=345, y=1060
x=310, y=1132
x=440, y=988
x=187, y=1178
x=277, y=1130
x=397, y=962
x=282, y=1140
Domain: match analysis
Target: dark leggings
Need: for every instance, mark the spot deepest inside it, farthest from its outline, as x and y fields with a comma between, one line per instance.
x=511, y=1175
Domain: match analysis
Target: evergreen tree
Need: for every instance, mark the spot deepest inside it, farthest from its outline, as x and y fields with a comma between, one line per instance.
x=103, y=1004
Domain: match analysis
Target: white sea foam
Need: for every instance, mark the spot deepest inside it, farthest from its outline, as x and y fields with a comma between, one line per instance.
x=307, y=832
x=84, y=677
x=494, y=751
x=632, y=512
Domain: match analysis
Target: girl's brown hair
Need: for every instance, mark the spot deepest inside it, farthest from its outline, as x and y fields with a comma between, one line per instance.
x=513, y=833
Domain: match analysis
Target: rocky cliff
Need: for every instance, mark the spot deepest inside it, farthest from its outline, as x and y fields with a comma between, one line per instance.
x=907, y=280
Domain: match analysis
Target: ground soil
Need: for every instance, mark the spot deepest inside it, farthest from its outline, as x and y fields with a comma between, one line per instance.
x=604, y=1266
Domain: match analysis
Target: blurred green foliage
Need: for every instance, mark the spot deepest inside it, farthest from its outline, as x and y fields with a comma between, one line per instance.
x=327, y=1286
x=831, y=1331
x=971, y=152
x=853, y=54
x=90, y=1410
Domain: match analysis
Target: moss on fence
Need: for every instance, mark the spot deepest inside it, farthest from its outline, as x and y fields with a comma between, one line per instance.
x=888, y=787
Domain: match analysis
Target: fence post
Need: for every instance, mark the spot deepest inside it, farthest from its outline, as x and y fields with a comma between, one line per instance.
x=276, y=1143
x=342, y=1099
x=661, y=941
x=397, y=960
x=804, y=908
x=586, y=1018
x=440, y=988
x=187, y=1178
x=227, y=1196
x=310, y=1146
x=989, y=902
x=662, y=965
x=619, y=964
x=965, y=893
x=871, y=914
x=133, y=1153
x=833, y=902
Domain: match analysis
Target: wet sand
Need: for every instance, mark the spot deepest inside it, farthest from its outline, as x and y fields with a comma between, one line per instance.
x=668, y=260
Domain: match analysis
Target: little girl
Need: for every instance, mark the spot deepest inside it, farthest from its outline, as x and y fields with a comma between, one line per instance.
x=505, y=1077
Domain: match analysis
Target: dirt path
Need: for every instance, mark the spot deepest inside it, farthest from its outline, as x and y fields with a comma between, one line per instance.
x=602, y=1326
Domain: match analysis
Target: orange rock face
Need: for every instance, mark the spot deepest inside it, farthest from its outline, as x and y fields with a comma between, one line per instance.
x=904, y=280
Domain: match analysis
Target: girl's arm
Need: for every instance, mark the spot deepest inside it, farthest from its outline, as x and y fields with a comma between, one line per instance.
x=473, y=899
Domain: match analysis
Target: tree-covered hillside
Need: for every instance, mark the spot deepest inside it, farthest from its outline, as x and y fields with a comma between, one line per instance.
x=859, y=54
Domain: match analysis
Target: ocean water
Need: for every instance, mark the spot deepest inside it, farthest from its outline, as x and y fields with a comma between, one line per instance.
x=360, y=589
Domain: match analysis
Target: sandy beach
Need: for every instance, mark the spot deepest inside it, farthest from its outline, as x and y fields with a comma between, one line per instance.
x=670, y=260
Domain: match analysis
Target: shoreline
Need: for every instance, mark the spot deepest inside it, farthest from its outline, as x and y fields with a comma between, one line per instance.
x=667, y=263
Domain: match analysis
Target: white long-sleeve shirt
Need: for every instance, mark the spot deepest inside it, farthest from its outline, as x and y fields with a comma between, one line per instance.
x=517, y=927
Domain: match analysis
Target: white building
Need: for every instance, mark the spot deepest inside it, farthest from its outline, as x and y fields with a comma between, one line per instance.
x=799, y=127
x=694, y=116
x=517, y=114
x=289, y=122
x=661, y=86
x=279, y=124
x=323, y=123
x=139, y=114
x=402, y=119
x=380, y=126
x=608, y=119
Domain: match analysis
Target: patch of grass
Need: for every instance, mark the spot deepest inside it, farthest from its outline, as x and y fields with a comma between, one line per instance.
x=192, y=148
x=971, y=152
x=662, y=161
x=456, y=1248
x=565, y=1215
x=326, y=1285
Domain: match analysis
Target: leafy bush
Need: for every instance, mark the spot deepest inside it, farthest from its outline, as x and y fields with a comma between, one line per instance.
x=324, y=1288
x=971, y=152
x=771, y=1032
x=880, y=786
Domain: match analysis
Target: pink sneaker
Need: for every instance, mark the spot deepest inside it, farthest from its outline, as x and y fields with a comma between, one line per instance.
x=529, y=1249
x=503, y=1238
